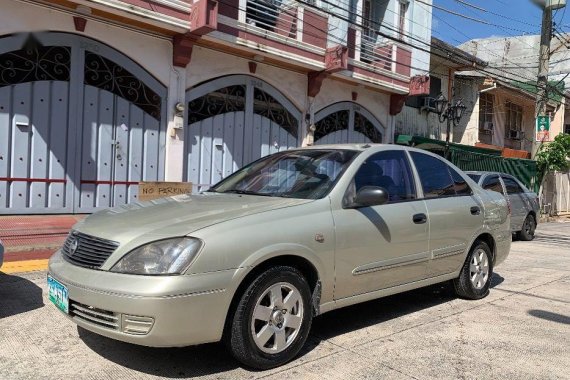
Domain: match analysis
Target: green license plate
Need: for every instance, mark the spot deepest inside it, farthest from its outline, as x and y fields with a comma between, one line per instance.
x=57, y=293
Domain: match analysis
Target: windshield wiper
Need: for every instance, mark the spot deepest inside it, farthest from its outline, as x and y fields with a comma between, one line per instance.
x=247, y=192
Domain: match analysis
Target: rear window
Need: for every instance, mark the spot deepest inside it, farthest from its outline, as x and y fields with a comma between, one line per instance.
x=474, y=177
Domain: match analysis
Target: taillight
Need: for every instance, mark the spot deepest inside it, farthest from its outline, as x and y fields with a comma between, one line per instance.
x=509, y=206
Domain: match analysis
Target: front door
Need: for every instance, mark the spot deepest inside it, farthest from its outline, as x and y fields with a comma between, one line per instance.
x=386, y=245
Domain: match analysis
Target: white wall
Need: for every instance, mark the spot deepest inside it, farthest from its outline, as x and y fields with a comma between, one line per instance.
x=209, y=64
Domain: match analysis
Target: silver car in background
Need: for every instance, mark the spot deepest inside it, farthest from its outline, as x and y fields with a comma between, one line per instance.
x=293, y=235
x=523, y=202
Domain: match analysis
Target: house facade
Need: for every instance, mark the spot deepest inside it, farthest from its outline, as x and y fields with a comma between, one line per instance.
x=503, y=116
x=503, y=96
x=96, y=96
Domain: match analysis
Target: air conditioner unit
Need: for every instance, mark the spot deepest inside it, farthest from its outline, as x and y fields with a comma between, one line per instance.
x=488, y=126
x=429, y=104
x=515, y=135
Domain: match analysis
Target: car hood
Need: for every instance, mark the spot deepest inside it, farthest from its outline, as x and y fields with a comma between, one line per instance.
x=176, y=216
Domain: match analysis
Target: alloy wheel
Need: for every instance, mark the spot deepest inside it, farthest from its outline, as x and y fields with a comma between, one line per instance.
x=277, y=318
x=479, y=269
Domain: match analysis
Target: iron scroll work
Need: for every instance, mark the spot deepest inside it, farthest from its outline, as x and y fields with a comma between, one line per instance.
x=233, y=99
x=35, y=62
x=105, y=74
x=339, y=121
x=336, y=121
x=365, y=126
x=224, y=100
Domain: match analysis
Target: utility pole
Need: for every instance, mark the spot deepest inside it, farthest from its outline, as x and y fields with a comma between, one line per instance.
x=543, y=61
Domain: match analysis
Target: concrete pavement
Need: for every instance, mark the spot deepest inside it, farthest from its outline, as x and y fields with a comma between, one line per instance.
x=520, y=331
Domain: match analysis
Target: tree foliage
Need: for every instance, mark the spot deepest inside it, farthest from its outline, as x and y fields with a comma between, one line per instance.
x=554, y=156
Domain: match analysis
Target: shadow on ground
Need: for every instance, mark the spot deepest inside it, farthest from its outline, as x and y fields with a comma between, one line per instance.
x=18, y=295
x=214, y=358
x=550, y=316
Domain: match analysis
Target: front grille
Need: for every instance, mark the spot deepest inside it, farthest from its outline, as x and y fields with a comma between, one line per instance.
x=87, y=251
x=102, y=318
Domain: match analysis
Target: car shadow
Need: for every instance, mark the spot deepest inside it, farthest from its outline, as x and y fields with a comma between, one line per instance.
x=381, y=310
x=182, y=362
x=550, y=316
x=214, y=358
x=18, y=295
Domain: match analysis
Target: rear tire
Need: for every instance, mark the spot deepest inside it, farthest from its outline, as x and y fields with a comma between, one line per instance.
x=528, y=228
x=475, y=276
x=272, y=320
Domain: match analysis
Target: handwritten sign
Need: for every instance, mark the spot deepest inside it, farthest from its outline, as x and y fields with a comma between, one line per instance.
x=154, y=190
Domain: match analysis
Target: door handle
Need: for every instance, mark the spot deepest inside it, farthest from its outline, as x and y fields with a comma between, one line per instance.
x=475, y=210
x=419, y=218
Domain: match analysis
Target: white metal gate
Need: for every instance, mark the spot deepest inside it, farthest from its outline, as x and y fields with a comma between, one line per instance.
x=233, y=121
x=80, y=125
x=347, y=122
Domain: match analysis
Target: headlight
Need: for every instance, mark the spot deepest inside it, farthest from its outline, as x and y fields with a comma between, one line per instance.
x=172, y=256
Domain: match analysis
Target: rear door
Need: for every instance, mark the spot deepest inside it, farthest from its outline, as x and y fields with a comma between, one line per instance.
x=455, y=214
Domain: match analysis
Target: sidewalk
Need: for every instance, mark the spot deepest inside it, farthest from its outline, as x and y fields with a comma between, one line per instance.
x=29, y=241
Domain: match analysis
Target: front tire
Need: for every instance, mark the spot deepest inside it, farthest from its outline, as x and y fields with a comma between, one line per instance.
x=528, y=228
x=475, y=276
x=272, y=319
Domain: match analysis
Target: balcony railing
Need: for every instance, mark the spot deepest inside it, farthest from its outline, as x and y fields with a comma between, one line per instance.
x=286, y=18
x=379, y=54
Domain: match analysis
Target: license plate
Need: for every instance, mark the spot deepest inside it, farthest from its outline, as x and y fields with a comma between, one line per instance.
x=57, y=293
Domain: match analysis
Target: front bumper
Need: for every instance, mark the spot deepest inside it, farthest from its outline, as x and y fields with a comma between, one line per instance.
x=157, y=311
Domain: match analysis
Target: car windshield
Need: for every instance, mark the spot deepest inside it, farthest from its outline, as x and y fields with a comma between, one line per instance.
x=306, y=174
x=474, y=177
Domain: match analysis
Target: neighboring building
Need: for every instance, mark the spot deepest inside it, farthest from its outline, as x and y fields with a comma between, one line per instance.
x=503, y=115
x=503, y=97
x=418, y=117
x=108, y=93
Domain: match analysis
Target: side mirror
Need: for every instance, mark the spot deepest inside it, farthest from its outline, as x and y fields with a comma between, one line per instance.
x=370, y=196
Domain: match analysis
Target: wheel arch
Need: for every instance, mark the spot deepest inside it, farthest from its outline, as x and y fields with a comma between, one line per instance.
x=490, y=241
x=302, y=264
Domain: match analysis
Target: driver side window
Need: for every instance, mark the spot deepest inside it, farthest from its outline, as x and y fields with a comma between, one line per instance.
x=389, y=170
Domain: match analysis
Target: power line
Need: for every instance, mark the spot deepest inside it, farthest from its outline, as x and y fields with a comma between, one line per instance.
x=465, y=3
x=450, y=54
x=467, y=17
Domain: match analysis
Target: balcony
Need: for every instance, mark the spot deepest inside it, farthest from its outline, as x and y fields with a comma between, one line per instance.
x=380, y=57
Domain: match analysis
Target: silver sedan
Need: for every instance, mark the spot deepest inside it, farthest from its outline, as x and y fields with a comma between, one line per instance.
x=523, y=203
x=291, y=236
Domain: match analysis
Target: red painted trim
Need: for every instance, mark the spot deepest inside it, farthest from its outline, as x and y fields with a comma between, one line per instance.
x=378, y=76
x=44, y=180
x=88, y=182
x=264, y=41
x=159, y=8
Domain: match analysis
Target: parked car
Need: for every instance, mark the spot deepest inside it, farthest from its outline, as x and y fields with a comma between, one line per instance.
x=523, y=203
x=288, y=237
x=1, y=254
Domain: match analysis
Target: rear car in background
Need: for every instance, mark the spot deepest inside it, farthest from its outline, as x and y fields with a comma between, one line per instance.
x=523, y=202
